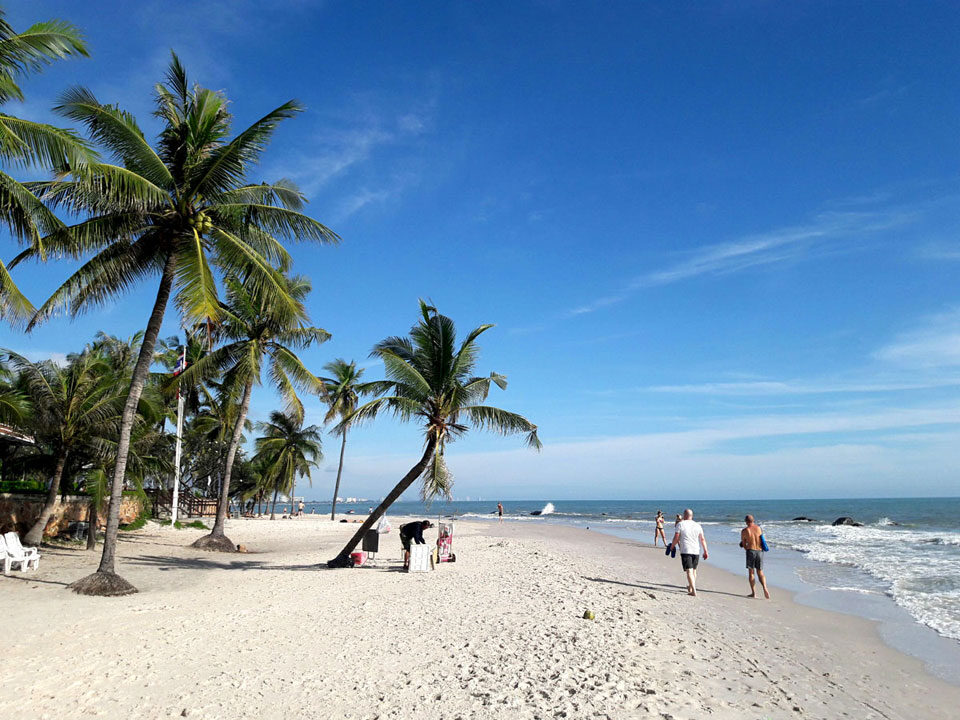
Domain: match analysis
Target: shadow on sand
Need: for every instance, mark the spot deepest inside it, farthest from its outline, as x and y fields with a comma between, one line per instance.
x=661, y=587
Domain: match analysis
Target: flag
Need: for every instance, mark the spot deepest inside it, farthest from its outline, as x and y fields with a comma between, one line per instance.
x=181, y=363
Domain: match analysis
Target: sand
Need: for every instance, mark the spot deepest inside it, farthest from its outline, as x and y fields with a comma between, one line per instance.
x=498, y=634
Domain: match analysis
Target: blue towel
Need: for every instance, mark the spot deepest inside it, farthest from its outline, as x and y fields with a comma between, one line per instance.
x=763, y=543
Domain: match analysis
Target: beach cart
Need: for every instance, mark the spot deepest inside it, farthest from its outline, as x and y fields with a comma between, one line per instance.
x=445, y=542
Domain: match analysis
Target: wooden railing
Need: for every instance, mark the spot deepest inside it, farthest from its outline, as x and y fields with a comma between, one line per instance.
x=188, y=505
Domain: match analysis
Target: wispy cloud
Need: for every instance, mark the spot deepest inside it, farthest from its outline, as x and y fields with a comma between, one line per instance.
x=935, y=343
x=783, y=244
x=814, y=454
x=941, y=251
x=332, y=153
x=774, y=388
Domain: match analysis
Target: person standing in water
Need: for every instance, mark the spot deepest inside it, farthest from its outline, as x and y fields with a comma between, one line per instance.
x=500, y=511
x=689, y=537
x=750, y=542
x=658, y=533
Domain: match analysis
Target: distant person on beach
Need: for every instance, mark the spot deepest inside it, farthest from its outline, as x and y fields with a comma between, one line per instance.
x=500, y=511
x=689, y=538
x=300, y=509
x=412, y=532
x=658, y=533
x=677, y=521
x=750, y=542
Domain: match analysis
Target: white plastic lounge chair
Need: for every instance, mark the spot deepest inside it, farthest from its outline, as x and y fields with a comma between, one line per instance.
x=17, y=553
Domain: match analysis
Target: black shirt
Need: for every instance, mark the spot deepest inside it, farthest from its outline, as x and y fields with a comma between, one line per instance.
x=413, y=530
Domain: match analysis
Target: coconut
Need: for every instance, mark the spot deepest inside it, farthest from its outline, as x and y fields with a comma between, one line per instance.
x=588, y=615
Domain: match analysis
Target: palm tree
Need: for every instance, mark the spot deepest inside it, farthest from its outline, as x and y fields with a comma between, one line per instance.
x=429, y=378
x=258, y=331
x=342, y=391
x=24, y=143
x=285, y=451
x=177, y=211
x=70, y=404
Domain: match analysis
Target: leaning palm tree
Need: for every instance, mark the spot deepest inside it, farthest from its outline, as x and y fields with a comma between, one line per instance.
x=342, y=391
x=285, y=451
x=258, y=331
x=179, y=211
x=24, y=143
x=431, y=379
x=69, y=405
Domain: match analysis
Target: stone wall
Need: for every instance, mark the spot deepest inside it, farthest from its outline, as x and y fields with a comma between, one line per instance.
x=20, y=511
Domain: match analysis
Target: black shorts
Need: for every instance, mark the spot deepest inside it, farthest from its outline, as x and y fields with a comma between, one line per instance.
x=689, y=562
x=405, y=541
x=754, y=559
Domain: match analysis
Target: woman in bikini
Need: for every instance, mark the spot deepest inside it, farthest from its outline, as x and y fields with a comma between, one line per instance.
x=659, y=531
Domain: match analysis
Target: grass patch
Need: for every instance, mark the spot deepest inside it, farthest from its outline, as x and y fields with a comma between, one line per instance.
x=197, y=524
x=136, y=524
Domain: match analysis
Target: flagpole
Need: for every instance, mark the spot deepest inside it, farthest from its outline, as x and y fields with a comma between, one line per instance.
x=175, y=501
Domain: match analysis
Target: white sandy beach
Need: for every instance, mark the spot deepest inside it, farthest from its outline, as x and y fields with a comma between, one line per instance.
x=498, y=634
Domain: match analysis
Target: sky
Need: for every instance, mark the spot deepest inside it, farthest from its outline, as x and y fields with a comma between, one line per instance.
x=719, y=241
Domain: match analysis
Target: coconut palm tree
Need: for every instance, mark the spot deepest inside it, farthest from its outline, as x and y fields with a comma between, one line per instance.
x=431, y=380
x=258, y=332
x=285, y=451
x=69, y=405
x=342, y=391
x=177, y=211
x=24, y=143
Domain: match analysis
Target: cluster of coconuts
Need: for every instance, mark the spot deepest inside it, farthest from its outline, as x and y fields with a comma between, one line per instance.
x=201, y=222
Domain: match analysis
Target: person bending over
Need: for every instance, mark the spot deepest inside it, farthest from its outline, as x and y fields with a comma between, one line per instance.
x=412, y=532
x=689, y=537
x=750, y=541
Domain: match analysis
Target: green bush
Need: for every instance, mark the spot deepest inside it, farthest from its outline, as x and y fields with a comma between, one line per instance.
x=23, y=486
x=145, y=509
x=179, y=525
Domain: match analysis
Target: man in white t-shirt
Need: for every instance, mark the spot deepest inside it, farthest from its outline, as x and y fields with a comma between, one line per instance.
x=689, y=539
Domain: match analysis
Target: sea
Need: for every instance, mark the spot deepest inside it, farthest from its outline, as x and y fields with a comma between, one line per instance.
x=900, y=566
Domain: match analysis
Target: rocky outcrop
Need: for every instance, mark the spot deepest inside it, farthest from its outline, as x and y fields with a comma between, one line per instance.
x=803, y=518
x=847, y=521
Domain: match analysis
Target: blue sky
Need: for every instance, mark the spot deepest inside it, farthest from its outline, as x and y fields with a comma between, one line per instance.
x=719, y=240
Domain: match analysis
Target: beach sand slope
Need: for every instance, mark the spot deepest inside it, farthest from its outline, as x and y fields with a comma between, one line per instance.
x=498, y=634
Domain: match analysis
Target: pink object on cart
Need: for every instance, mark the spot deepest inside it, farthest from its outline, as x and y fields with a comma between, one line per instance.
x=359, y=558
x=445, y=542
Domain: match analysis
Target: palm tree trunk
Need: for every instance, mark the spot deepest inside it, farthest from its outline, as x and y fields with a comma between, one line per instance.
x=336, y=489
x=273, y=507
x=93, y=518
x=343, y=559
x=105, y=580
x=217, y=540
x=34, y=536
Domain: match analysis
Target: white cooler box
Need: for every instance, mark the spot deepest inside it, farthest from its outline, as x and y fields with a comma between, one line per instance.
x=419, y=558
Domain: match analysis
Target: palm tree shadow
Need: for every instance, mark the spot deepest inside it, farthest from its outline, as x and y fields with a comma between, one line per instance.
x=170, y=562
x=28, y=579
x=660, y=587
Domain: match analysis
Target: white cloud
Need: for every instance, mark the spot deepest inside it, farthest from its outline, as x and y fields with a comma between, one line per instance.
x=777, y=246
x=336, y=151
x=807, y=461
x=934, y=344
x=773, y=388
x=58, y=358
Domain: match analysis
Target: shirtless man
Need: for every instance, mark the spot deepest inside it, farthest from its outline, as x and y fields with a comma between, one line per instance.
x=750, y=541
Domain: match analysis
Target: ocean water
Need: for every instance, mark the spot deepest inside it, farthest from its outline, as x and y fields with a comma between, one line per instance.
x=906, y=550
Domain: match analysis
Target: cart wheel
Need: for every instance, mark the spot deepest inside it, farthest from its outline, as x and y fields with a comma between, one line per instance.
x=453, y=558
